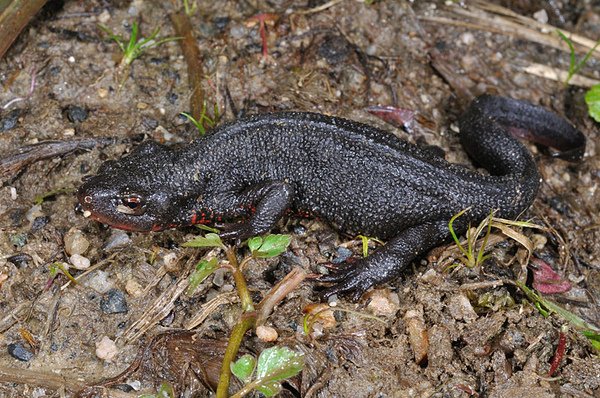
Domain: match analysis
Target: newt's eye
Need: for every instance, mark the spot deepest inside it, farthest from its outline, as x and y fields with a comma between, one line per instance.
x=132, y=204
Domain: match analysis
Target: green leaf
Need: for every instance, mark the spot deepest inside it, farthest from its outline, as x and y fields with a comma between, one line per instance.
x=255, y=243
x=203, y=269
x=166, y=391
x=207, y=228
x=593, y=337
x=592, y=99
x=244, y=367
x=209, y=240
x=270, y=389
x=276, y=364
x=270, y=246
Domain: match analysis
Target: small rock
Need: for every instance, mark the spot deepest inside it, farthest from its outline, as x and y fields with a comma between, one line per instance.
x=114, y=302
x=541, y=16
x=75, y=242
x=76, y=114
x=10, y=120
x=39, y=223
x=342, y=254
x=219, y=277
x=106, y=349
x=99, y=282
x=104, y=17
x=34, y=212
x=321, y=313
x=417, y=334
x=79, y=262
x=102, y=92
x=117, y=238
x=133, y=288
x=18, y=351
x=266, y=333
x=141, y=105
x=383, y=302
x=461, y=309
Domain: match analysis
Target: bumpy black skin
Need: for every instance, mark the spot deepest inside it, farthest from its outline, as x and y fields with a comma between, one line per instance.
x=356, y=177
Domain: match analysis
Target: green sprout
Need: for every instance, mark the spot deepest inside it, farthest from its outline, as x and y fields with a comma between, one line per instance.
x=592, y=96
x=274, y=365
x=575, y=66
x=470, y=259
x=204, y=120
x=365, y=243
x=190, y=7
x=134, y=47
x=547, y=307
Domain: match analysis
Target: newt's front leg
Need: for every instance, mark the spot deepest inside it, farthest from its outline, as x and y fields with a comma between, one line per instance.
x=386, y=263
x=269, y=201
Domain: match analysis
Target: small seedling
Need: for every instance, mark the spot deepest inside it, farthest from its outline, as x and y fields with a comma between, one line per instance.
x=203, y=269
x=274, y=365
x=190, y=7
x=365, y=244
x=575, y=66
x=165, y=390
x=204, y=120
x=470, y=259
x=134, y=47
x=547, y=307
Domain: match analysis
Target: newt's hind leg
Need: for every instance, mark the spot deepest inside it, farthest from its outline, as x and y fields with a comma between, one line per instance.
x=388, y=262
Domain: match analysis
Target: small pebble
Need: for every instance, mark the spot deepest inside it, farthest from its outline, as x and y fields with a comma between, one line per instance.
x=102, y=92
x=141, y=105
x=321, y=313
x=114, y=302
x=461, y=309
x=71, y=59
x=266, y=333
x=99, y=282
x=342, y=254
x=104, y=17
x=541, y=16
x=18, y=351
x=133, y=288
x=79, y=262
x=13, y=193
x=76, y=114
x=75, y=242
x=117, y=238
x=417, y=334
x=219, y=277
x=383, y=302
x=106, y=349
x=69, y=132
x=34, y=212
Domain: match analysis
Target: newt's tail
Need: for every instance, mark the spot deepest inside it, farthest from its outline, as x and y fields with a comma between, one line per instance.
x=500, y=115
x=487, y=132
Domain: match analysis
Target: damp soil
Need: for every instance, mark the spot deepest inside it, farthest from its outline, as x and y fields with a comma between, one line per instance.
x=479, y=333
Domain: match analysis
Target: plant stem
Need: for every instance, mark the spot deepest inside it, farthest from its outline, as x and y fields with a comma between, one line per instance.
x=235, y=341
x=240, y=281
x=183, y=28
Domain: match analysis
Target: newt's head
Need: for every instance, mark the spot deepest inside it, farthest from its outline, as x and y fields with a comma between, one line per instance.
x=137, y=192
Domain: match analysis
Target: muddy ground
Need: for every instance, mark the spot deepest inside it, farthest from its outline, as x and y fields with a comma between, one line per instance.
x=485, y=338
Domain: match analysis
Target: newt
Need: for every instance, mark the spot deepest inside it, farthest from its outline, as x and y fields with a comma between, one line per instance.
x=251, y=172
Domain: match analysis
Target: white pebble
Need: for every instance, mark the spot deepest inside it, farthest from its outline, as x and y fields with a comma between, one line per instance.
x=106, y=349
x=266, y=333
x=76, y=242
x=79, y=262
